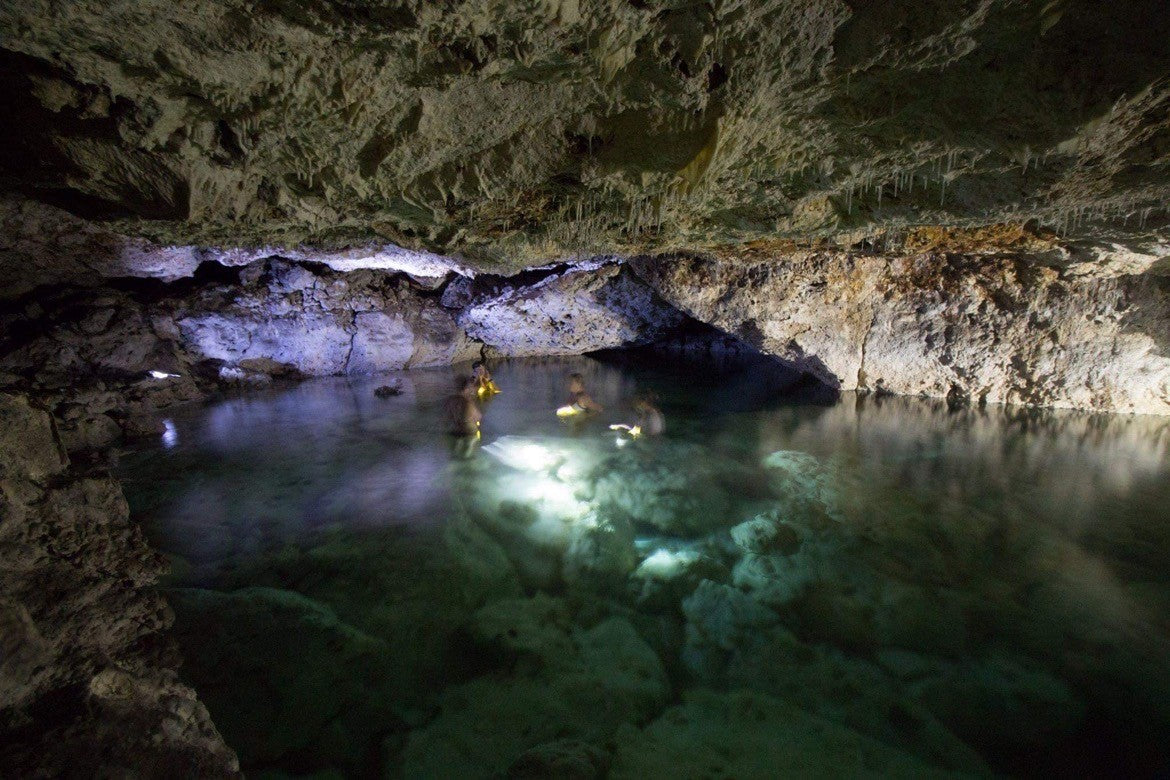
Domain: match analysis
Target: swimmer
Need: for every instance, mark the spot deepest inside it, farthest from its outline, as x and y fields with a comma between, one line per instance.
x=485, y=387
x=461, y=411
x=649, y=419
x=580, y=402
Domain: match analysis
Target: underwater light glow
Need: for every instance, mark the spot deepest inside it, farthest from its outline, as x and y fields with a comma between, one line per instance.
x=170, y=436
x=569, y=411
x=163, y=375
x=524, y=455
x=557, y=496
x=665, y=564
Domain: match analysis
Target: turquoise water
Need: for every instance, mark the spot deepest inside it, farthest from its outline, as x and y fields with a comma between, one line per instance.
x=875, y=586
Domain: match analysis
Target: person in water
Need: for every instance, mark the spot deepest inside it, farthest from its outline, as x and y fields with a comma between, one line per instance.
x=580, y=402
x=462, y=410
x=485, y=387
x=649, y=420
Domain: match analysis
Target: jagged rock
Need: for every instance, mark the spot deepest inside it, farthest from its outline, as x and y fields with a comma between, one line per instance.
x=576, y=311
x=87, y=684
x=1000, y=328
x=551, y=129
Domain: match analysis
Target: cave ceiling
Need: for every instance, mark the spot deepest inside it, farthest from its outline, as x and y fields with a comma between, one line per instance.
x=508, y=133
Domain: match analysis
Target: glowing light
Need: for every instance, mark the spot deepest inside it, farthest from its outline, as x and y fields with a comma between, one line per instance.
x=170, y=437
x=557, y=496
x=162, y=375
x=522, y=455
x=665, y=564
x=568, y=411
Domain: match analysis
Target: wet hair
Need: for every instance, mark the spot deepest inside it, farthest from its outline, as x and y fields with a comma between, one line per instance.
x=577, y=377
x=476, y=364
x=646, y=395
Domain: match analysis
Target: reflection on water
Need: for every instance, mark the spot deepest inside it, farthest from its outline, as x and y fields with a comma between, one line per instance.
x=879, y=585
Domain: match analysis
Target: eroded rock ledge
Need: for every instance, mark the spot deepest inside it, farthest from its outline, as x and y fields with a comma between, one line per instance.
x=88, y=685
x=999, y=327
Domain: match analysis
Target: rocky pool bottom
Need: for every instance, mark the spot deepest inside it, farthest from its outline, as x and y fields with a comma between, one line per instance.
x=775, y=588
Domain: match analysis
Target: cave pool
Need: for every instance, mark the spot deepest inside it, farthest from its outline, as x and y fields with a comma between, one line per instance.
x=778, y=587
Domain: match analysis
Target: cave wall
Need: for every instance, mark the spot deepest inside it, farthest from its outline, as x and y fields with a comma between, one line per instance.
x=87, y=351
x=1005, y=328
x=88, y=682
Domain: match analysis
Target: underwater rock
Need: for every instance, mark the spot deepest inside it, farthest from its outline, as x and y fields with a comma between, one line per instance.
x=999, y=704
x=600, y=553
x=806, y=488
x=768, y=535
x=564, y=759
x=602, y=677
x=536, y=629
x=672, y=572
x=285, y=676
x=482, y=561
x=389, y=390
x=676, y=488
x=720, y=619
x=747, y=734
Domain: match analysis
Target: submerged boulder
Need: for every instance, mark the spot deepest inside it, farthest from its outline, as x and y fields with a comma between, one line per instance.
x=593, y=682
x=747, y=734
x=285, y=676
x=675, y=488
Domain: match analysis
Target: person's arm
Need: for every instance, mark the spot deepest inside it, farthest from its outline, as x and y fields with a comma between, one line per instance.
x=586, y=402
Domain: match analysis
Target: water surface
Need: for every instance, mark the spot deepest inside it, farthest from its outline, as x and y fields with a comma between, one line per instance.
x=876, y=585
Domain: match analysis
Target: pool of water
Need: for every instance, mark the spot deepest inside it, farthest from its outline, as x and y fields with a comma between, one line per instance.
x=774, y=588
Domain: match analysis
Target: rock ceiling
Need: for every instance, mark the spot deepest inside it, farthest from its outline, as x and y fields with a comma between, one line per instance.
x=512, y=132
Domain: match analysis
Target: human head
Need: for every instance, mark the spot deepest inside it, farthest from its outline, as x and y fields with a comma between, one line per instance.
x=645, y=399
x=576, y=383
x=477, y=367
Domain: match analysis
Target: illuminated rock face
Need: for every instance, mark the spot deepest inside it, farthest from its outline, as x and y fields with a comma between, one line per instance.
x=536, y=130
x=87, y=353
x=1000, y=328
x=569, y=313
x=81, y=624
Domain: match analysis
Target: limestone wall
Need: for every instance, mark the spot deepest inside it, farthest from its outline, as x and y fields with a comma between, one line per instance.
x=997, y=328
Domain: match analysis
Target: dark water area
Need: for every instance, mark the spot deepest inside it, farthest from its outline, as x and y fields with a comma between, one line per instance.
x=781, y=585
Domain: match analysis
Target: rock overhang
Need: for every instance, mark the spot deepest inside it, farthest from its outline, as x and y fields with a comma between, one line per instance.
x=508, y=135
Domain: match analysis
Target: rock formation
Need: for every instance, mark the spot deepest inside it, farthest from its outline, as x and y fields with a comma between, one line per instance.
x=525, y=131
x=87, y=680
x=1000, y=327
x=108, y=359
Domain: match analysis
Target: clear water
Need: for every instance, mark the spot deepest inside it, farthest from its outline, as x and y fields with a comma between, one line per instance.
x=875, y=586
